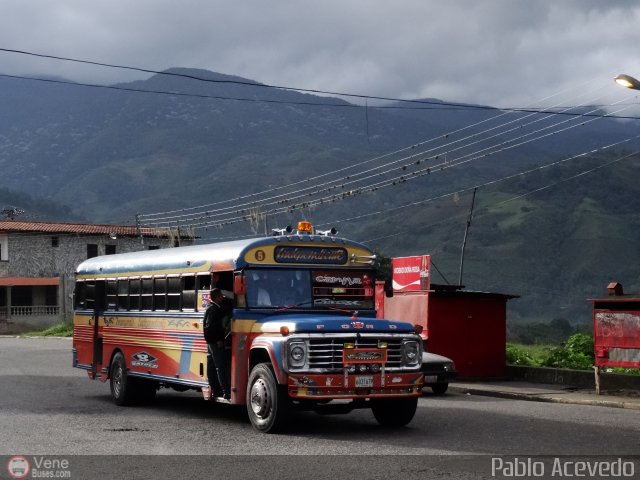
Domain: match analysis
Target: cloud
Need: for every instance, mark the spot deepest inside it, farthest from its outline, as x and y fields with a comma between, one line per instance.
x=499, y=52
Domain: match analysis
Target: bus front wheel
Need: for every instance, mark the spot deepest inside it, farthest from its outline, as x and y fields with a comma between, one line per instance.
x=394, y=412
x=268, y=403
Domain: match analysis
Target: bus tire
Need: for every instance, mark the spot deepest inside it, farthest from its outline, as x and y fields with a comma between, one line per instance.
x=121, y=385
x=394, y=412
x=439, y=388
x=268, y=403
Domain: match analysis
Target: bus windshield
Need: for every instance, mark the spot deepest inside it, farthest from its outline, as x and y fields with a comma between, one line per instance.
x=306, y=289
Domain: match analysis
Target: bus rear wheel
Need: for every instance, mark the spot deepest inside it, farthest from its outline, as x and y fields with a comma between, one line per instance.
x=394, y=412
x=268, y=403
x=126, y=390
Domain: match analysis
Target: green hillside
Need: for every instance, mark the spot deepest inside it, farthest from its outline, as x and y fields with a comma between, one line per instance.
x=556, y=247
x=70, y=152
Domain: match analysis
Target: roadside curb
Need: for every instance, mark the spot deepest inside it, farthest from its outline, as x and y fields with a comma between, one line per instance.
x=546, y=397
x=35, y=336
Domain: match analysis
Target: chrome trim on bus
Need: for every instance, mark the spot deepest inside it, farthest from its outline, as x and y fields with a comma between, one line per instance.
x=324, y=353
x=161, y=378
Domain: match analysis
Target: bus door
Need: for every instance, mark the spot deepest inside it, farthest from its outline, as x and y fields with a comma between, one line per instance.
x=99, y=296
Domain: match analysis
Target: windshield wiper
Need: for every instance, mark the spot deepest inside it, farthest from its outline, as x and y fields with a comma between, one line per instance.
x=294, y=305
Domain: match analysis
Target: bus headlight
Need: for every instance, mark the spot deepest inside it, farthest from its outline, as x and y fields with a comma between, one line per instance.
x=297, y=354
x=411, y=354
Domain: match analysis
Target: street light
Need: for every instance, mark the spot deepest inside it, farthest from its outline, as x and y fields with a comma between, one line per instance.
x=627, y=81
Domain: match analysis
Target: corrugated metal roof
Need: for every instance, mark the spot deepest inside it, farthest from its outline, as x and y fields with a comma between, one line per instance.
x=7, y=226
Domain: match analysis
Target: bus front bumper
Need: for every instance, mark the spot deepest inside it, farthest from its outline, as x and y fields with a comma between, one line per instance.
x=335, y=386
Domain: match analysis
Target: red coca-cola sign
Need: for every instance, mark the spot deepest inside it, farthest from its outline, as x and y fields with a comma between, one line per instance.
x=411, y=273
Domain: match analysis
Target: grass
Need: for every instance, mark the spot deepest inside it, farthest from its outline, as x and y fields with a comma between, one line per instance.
x=535, y=356
x=532, y=355
x=537, y=352
x=63, y=329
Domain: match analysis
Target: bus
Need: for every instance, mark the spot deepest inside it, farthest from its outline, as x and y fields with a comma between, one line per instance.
x=303, y=332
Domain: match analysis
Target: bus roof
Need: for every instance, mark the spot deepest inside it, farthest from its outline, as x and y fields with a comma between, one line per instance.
x=227, y=256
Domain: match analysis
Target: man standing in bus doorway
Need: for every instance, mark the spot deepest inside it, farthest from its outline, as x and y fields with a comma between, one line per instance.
x=214, y=335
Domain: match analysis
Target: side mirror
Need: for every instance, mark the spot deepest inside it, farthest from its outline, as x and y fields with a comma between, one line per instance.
x=239, y=285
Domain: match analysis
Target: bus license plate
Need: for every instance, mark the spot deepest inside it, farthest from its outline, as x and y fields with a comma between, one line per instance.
x=364, y=382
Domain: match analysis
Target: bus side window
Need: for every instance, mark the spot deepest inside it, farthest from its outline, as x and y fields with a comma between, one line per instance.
x=204, y=282
x=174, y=287
x=160, y=293
x=80, y=295
x=112, y=295
x=123, y=294
x=96, y=295
x=90, y=298
x=134, y=294
x=225, y=281
x=189, y=293
x=147, y=294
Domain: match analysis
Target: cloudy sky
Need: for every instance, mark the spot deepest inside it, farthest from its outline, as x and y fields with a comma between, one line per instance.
x=498, y=52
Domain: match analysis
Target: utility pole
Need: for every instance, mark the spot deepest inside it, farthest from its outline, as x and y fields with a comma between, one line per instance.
x=466, y=231
x=139, y=228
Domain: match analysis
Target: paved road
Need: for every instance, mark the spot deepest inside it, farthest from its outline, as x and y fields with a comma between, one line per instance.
x=51, y=409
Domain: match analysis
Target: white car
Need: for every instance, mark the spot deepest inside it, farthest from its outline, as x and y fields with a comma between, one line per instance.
x=438, y=372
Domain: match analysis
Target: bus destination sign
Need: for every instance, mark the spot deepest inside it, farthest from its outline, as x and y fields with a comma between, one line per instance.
x=315, y=255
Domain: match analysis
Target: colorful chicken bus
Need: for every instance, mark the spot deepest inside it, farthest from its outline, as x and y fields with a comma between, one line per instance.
x=303, y=332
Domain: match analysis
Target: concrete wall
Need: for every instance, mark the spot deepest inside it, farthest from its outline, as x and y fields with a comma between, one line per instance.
x=574, y=378
x=34, y=255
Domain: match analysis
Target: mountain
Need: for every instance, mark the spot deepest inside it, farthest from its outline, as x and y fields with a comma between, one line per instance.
x=105, y=154
x=62, y=140
x=34, y=208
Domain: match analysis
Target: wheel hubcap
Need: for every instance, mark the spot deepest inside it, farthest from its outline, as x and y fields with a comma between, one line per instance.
x=260, y=401
x=117, y=382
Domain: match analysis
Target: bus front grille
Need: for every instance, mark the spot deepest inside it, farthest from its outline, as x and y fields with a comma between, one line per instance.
x=326, y=353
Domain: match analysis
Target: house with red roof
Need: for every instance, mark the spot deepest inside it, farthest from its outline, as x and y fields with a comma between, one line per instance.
x=38, y=262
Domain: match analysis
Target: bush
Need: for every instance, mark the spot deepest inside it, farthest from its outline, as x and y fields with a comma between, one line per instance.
x=576, y=353
x=580, y=343
x=559, y=357
x=517, y=356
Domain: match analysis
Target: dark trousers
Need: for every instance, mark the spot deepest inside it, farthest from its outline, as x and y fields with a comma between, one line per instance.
x=218, y=371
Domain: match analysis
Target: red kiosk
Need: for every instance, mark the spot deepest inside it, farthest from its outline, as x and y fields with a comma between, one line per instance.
x=467, y=326
x=616, y=330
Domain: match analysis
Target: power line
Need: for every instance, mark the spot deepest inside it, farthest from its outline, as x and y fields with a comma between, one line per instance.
x=492, y=182
x=224, y=81
x=237, y=82
x=178, y=94
x=198, y=78
x=163, y=217
x=243, y=83
x=485, y=184
x=330, y=184
x=206, y=219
